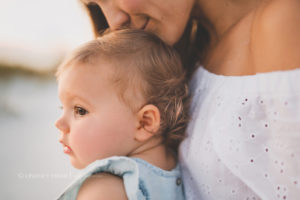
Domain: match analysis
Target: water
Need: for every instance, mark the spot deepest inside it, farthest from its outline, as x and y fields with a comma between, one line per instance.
x=33, y=165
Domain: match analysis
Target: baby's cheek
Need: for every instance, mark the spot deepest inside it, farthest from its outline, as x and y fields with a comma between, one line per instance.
x=94, y=146
x=83, y=146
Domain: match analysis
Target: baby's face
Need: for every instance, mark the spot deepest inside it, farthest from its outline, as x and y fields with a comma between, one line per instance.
x=94, y=124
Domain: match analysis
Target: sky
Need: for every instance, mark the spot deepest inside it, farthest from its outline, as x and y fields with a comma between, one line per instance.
x=37, y=33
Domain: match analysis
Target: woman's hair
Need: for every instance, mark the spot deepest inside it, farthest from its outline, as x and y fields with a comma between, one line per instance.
x=145, y=70
x=191, y=47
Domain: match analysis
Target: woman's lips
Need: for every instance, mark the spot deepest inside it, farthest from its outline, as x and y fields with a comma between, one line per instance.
x=146, y=23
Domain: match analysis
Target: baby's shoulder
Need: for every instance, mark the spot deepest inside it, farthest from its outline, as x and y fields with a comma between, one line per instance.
x=102, y=186
x=275, y=35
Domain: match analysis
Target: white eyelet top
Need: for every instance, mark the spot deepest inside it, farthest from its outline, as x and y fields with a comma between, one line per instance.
x=243, y=141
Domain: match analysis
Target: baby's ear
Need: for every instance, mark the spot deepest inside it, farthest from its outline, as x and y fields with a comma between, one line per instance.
x=149, y=122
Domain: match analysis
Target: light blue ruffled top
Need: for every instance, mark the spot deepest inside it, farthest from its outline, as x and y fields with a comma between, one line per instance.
x=141, y=179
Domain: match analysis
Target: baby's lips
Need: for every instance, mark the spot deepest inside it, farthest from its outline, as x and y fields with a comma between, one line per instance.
x=67, y=149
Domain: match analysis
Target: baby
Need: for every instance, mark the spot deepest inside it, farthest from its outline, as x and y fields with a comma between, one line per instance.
x=125, y=104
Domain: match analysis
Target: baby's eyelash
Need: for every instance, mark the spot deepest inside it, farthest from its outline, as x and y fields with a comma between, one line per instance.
x=80, y=111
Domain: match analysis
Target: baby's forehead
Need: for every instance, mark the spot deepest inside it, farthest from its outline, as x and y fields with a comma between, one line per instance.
x=117, y=67
x=125, y=78
x=121, y=71
x=96, y=66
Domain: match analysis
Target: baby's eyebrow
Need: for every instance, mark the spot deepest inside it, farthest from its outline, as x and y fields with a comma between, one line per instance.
x=87, y=1
x=75, y=97
x=71, y=97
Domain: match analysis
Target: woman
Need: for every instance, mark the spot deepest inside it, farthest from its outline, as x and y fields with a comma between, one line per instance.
x=244, y=137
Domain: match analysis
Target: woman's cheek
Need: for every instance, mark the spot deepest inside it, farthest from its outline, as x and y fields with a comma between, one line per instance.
x=132, y=6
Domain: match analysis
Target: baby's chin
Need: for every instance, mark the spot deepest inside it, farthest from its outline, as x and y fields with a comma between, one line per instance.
x=78, y=165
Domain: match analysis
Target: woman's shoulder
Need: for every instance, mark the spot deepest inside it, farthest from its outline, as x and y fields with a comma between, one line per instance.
x=275, y=35
x=102, y=186
x=280, y=16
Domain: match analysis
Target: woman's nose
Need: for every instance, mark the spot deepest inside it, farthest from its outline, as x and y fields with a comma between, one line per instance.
x=62, y=125
x=115, y=16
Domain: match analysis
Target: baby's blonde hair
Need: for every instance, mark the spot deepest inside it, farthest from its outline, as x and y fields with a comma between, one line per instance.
x=143, y=66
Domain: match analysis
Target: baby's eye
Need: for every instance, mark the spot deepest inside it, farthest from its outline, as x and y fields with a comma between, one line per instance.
x=80, y=111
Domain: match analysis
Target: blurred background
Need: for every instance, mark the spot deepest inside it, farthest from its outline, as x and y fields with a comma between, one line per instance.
x=34, y=37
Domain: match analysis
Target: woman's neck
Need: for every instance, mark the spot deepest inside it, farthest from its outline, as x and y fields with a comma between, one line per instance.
x=222, y=15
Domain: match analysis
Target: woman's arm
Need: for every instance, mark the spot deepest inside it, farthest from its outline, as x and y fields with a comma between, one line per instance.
x=102, y=186
x=276, y=36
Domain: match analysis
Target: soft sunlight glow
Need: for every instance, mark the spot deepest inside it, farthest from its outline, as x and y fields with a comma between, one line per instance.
x=37, y=33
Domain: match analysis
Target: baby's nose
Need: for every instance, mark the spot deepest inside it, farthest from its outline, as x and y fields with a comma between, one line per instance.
x=62, y=125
